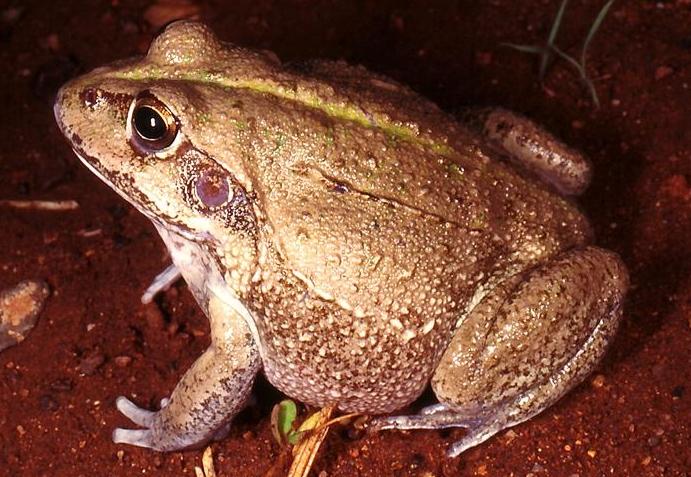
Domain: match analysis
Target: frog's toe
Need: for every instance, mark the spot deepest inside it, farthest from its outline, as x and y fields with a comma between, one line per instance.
x=441, y=416
x=134, y=437
x=433, y=409
x=435, y=418
x=134, y=413
x=474, y=436
x=161, y=283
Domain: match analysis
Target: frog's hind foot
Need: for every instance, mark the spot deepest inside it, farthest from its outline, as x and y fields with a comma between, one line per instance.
x=441, y=416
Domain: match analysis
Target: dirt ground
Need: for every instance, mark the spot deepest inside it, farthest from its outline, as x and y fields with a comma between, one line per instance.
x=95, y=341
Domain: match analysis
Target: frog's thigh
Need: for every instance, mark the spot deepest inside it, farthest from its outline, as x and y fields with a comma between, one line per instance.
x=526, y=344
x=207, y=397
x=533, y=147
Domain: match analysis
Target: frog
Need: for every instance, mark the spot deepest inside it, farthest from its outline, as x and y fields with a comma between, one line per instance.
x=349, y=239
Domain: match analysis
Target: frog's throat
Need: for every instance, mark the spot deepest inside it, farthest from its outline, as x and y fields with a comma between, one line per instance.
x=336, y=110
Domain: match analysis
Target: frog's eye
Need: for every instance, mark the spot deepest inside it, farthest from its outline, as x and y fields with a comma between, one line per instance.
x=212, y=189
x=154, y=127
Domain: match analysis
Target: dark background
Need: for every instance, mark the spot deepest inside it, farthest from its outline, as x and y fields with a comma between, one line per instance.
x=95, y=341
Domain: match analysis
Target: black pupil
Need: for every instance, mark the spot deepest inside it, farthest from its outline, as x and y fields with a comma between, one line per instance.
x=149, y=123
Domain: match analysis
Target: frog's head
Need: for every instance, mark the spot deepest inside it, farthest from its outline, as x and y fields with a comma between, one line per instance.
x=156, y=130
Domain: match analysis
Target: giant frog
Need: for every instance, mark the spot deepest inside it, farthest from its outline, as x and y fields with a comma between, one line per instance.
x=348, y=239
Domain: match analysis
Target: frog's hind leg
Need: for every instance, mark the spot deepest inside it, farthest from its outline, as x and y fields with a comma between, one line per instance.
x=529, y=341
x=532, y=147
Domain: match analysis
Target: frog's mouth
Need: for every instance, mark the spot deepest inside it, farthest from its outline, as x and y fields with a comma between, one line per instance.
x=174, y=226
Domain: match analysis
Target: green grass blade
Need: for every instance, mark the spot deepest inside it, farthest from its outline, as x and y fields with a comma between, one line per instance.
x=544, y=60
x=570, y=59
x=593, y=29
x=592, y=90
x=583, y=74
x=557, y=23
x=536, y=50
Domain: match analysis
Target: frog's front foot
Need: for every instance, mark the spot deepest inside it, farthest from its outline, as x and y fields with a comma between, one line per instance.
x=153, y=434
x=161, y=283
x=146, y=437
x=208, y=396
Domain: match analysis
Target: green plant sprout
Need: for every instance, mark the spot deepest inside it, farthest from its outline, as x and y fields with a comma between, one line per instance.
x=547, y=51
x=283, y=418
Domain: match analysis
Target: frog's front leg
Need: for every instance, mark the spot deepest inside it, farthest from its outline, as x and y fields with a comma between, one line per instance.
x=528, y=342
x=533, y=147
x=208, y=396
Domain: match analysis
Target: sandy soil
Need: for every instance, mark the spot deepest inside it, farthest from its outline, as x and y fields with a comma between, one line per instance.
x=95, y=341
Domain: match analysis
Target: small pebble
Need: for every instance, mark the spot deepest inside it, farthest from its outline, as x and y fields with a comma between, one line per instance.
x=509, y=436
x=165, y=11
x=598, y=381
x=483, y=58
x=398, y=23
x=91, y=362
x=48, y=403
x=662, y=72
x=61, y=385
x=678, y=392
x=19, y=309
x=122, y=361
x=153, y=316
x=51, y=42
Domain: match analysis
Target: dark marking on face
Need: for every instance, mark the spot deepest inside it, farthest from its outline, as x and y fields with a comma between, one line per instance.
x=90, y=97
x=212, y=191
x=97, y=98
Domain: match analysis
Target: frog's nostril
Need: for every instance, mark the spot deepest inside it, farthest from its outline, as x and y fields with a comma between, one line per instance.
x=90, y=97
